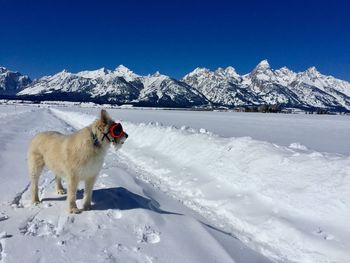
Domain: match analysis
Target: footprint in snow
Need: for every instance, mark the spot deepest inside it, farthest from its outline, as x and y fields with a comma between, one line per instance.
x=323, y=234
x=146, y=234
x=61, y=243
x=3, y=217
x=114, y=214
x=37, y=227
x=4, y=235
x=63, y=223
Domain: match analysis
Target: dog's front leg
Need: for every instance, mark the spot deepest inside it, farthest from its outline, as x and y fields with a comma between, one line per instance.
x=72, y=191
x=89, y=184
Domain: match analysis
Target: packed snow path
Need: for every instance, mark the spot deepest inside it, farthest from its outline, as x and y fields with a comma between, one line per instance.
x=131, y=221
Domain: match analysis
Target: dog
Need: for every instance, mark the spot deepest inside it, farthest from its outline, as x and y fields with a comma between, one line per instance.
x=77, y=157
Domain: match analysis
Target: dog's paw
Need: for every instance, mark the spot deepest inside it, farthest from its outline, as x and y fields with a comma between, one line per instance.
x=35, y=202
x=61, y=191
x=75, y=210
x=87, y=207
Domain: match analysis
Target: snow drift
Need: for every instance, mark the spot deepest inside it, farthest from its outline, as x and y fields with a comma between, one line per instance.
x=289, y=203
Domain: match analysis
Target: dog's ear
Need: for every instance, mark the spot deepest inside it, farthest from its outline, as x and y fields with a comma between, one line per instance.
x=105, y=117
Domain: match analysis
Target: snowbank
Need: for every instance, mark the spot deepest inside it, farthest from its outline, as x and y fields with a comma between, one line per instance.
x=289, y=203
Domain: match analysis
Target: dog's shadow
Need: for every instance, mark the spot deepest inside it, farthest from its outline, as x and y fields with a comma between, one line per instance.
x=118, y=198
x=122, y=199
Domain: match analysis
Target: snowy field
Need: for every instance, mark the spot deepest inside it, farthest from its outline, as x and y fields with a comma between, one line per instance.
x=186, y=187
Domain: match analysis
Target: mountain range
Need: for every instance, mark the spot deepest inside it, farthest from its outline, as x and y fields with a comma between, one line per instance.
x=223, y=87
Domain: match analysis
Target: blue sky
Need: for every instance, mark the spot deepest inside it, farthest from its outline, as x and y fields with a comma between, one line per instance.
x=43, y=37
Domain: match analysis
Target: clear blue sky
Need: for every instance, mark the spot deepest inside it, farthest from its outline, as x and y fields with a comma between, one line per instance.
x=43, y=37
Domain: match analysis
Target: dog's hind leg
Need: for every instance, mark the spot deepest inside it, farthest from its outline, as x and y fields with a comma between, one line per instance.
x=89, y=184
x=59, y=187
x=72, y=191
x=35, y=189
x=35, y=166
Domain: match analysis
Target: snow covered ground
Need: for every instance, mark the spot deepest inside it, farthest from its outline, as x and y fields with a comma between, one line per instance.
x=186, y=187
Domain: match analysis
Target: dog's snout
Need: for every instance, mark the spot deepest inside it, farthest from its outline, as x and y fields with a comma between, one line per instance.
x=126, y=135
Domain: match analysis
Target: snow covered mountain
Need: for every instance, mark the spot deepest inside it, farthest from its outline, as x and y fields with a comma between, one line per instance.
x=101, y=84
x=11, y=82
x=118, y=86
x=267, y=85
x=160, y=89
x=309, y=89
x=222, y=87
x=318, y=90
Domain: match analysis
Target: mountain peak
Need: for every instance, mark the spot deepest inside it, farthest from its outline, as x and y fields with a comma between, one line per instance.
x=227, y=72
x=63, y=72
x=231, y=71
x=263, y=64
x=312, y=70
x=122, y=68
x=94, y=73
x=198, y=71
x=156, y=74
x=285, y=71
x=3, y=70
x=262, y=71
x=126, y=73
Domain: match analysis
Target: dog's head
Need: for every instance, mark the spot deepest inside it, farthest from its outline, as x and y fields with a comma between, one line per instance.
x=110, y=131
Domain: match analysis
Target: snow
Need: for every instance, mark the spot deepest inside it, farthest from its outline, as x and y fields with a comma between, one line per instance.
x=323, y=133
x=285, y=76
x=219, y=86
x=267, y=86
x=132, y=221
x=12, y=81
x=37, y=89
x=198, y=71
x=263, y=64
x=127, y=74
x=92, y=74
x=177, y=187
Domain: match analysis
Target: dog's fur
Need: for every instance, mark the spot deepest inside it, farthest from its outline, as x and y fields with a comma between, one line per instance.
x=76, y=157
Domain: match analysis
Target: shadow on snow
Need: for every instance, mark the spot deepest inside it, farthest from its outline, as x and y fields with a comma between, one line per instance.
x=121, y=198
x=117, y=198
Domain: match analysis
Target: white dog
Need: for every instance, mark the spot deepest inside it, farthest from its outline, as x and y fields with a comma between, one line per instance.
x=78, y=156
